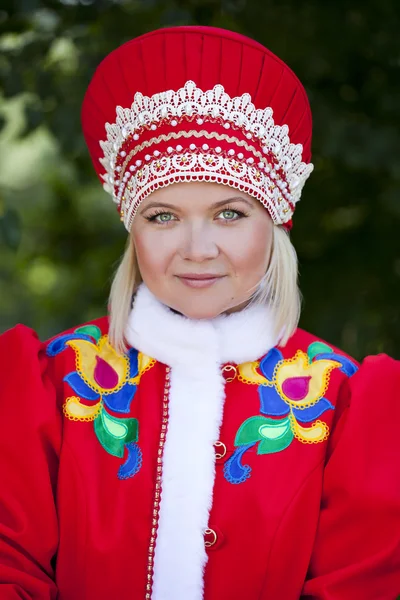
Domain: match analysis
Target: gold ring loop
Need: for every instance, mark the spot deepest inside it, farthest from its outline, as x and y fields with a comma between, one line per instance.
x=210, y=532
x=220, y=454
x=229, y=369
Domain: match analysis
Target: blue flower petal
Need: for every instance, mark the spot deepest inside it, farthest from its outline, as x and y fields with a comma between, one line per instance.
x=306, y=415
x=59, y=344
x=133, y=463
x=348, y=367
x=269, y=362
x=80, y=387
x=133, y=363
x=234, y=471
x=120, y=401
x=271, y=403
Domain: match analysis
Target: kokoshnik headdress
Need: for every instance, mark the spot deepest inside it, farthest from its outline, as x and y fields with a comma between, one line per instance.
x=198, y=104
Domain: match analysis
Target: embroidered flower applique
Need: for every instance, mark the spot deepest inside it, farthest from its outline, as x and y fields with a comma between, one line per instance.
x=104, y=381
x=292, y=394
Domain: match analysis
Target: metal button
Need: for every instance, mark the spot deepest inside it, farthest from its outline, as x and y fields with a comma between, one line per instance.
x=229, y=373
x=210, y=538
x=220, y=450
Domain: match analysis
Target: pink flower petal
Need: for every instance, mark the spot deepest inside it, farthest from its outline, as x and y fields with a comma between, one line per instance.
x=296, y=388
x=104, y=375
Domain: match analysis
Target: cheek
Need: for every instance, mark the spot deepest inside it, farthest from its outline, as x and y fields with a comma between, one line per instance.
x=251, y=251
x=153, y=252
x=147, y=260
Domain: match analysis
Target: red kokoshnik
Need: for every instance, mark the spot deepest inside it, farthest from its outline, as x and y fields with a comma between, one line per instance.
x=198, y=104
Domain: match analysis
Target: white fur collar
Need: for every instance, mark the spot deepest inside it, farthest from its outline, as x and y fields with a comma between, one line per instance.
x=172, y=339
x=195, y=351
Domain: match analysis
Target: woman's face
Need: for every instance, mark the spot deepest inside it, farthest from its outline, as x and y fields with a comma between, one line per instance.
x=202, y=248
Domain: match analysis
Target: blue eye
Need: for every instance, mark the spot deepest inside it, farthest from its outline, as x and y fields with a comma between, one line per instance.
x=161, y=218
x=229, y=215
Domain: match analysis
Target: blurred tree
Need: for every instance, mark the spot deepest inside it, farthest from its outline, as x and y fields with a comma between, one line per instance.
x=60, y=238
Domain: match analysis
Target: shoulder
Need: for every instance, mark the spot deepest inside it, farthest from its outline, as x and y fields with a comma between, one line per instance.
x=28, y=390
x=24, y=355
x=374, y=374
x=20, y=339
x=308, y=342
x=91, y=330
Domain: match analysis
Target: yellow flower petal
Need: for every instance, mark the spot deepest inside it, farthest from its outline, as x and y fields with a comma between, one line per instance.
x=145, y=363
x=318, y=432
x=86, y=353
x=76, y=411
x=119, y=362
x=248, y=374
x=299, y=366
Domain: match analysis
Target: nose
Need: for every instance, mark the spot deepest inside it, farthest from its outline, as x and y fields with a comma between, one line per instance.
x=198, y=243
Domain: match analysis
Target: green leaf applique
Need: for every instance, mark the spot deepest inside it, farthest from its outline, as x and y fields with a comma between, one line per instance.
x=318, y=348
x=276, y=436
x=114, y=433
x=91, y=330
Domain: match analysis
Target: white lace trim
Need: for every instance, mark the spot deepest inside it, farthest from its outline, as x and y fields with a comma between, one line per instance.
x=190, y=101
x=191, y=166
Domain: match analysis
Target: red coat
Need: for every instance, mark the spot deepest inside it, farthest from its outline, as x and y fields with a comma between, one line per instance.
x=306, y=497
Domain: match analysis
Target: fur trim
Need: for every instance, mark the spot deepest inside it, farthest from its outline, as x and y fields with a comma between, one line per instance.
x=195, y=351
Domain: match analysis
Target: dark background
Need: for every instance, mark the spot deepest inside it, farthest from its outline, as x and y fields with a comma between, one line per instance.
x=60, y=237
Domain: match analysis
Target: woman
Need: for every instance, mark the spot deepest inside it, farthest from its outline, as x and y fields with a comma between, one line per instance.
x=196, y=444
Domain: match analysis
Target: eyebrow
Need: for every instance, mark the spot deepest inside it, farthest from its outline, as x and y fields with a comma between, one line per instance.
x=216, y=205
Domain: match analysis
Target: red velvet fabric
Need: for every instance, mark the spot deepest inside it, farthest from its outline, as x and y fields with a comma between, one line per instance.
x=167, y=58
x=315, y=521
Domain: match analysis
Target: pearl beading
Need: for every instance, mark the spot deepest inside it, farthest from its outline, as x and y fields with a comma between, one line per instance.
x=190, y=102
x=257, y=179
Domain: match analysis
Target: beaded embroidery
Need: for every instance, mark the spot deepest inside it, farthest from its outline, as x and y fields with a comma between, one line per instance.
x=106, y=381
x=292, y=393
x=203, y=166
x=279, y=161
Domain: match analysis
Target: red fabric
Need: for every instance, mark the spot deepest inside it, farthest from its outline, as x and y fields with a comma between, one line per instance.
x=317, y=521
x=357, y=546
x=30, y=442
x=167, y=58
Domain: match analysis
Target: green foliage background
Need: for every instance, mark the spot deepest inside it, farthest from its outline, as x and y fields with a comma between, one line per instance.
x=60, y=237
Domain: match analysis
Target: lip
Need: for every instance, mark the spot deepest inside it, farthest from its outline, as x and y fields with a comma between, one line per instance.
x=200, y=276
x=198, y=280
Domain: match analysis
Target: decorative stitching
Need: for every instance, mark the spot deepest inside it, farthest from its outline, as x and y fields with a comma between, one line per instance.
x=157, y=491
x=110, y=379
x=248, y=373
x=103, y=347
x=307, y=364
x=189, y=102
x=196, y=165
x=74, y=410
x=176, y=135
x=234, y=471
x=133, y=463
x=291, y=392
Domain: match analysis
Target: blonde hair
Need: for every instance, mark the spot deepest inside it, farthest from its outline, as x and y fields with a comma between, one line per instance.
x=278, y=289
